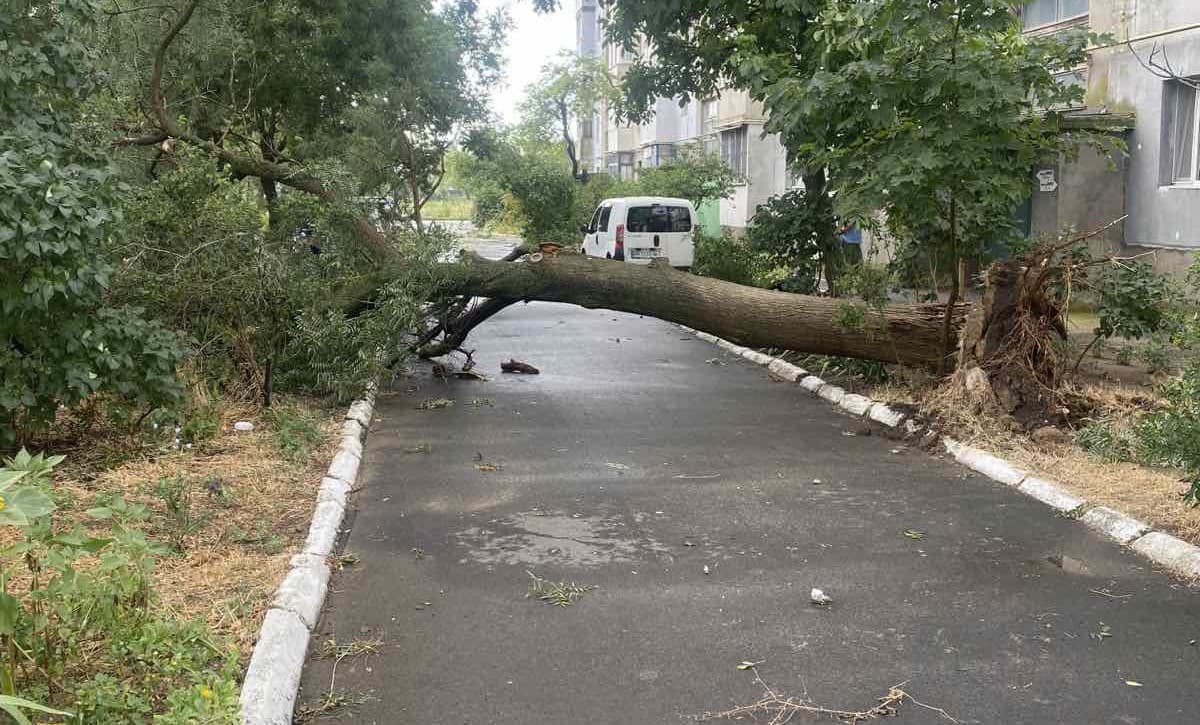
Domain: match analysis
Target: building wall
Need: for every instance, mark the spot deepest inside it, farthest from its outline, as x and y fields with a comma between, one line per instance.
x=1164, y=217
x=766, y=172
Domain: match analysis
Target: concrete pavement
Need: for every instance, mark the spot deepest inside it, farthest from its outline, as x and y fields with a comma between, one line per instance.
x=633, y=462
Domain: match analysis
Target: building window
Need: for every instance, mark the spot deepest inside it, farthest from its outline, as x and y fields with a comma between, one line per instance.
x=733, y=149
x=1180, y=132
x=619, y=164
x=658, y=154
x=1044, y=12
x=708, y=126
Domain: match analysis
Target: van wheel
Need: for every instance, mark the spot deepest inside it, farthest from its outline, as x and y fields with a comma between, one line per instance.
x=608, y=255
x=583, y=251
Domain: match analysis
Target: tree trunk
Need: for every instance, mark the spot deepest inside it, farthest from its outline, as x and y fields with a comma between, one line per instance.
x=568, y=142
x=902, y=333
x=1006, y=360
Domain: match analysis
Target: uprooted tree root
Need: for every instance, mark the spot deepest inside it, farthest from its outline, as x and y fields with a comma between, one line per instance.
x=782, y=709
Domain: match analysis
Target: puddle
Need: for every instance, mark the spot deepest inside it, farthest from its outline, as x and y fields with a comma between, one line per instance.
x=539, y=537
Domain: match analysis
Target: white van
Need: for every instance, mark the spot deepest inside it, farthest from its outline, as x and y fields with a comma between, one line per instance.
x=638, y=229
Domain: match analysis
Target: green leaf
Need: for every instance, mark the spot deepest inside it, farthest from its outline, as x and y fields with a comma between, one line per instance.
x=10, y=609
x=9, y=702
x=23, y=505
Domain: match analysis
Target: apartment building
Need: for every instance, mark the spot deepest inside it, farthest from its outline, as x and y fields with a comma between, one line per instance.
x=729, y=124
x=1142, y=86
x=1149, y=72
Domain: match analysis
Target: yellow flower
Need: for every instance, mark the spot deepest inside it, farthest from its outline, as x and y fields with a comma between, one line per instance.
x=206, y=693
x=1, y=503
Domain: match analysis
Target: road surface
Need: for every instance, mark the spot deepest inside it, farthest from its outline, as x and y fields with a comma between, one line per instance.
x=704, y=501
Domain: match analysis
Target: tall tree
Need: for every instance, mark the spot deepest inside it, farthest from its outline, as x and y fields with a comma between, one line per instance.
x=570, y=88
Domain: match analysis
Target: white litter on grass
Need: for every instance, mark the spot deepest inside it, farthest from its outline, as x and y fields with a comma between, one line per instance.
x=819, y=597
x=243, y=426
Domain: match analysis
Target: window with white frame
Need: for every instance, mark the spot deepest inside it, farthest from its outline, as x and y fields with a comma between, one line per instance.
x=1181, y=129
x=1044, y=12
x=708, y=126
x=733, y=149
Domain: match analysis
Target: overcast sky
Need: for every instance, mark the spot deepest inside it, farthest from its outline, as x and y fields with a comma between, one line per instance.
x=534, y=40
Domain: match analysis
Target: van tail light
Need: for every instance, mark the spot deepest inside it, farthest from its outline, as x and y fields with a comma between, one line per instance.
x=619, y=252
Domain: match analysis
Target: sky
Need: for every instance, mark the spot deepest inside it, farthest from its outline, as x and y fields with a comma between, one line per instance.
x=533, y=41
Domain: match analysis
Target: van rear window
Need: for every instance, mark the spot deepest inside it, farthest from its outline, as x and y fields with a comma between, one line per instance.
x=658, y=218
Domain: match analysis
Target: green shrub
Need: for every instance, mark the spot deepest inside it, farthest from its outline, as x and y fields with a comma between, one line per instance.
x=62, y=340
x=728, y=258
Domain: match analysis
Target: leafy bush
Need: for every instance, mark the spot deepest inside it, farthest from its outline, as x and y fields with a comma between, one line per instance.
x=729, y=258
x=792, y=230
x=62, y=341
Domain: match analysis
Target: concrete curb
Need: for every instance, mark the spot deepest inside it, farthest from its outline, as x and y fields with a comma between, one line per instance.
x=1169, y=552
x=273, y=677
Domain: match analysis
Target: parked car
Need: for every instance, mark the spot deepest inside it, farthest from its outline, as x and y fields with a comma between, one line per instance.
x=638, y=229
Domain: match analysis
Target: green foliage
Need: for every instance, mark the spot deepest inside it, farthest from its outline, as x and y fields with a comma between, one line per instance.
x=295, y=432
x=691, y=175
x=182, y=519
x=1131, y=300
x=21, y=504
x=795, y=230
x=61, y=341
x=150, y=668
x=572, y=86
x=933, y=113
x=1169, y=435
x=729, y=258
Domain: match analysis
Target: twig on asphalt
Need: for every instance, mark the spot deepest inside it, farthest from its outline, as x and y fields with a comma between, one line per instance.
x=783, y=709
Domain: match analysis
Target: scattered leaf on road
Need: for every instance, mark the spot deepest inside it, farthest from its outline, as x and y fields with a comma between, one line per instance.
x=748, y=665
x=914, y=534
x=617, y=466
x=1134, y=683
x=435, y=403
x=486, y=467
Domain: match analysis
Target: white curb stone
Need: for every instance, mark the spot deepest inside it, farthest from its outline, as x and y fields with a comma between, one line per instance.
x=1166, y=550
x=707, y=337
x=361, y=411
x=856, y=404
x=989, y=465
x=786, y=370
x=326, y=524
x=811, y=383
x=1050, y=493
x=832, y=393
x=881, y=413
x=303, y=591
x=756, y=357
x=1114, y=524
x=727, y=345
x=344, y=466
x=273, y=677
x=353, y=429
x=911, y=427
x=334, y=490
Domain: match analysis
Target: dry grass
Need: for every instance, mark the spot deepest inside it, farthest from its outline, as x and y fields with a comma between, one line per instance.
x=251, y=525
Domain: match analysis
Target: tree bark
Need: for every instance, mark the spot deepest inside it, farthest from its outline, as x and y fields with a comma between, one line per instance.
x=901, y=333
x=568, y=142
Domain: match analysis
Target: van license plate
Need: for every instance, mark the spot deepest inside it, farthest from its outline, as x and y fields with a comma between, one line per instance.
x=645, y=253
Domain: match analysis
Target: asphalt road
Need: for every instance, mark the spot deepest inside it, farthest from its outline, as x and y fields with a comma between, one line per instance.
x=642, y=455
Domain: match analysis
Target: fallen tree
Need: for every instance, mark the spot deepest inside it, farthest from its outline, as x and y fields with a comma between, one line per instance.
x=999, y=342
x=909, y=334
